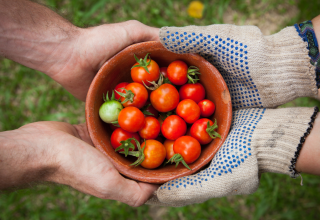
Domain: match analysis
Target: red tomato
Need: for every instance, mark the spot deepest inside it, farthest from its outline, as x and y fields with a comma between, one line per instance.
x=120, y=88
x=163, y=71
x=168, y=144
x=188, y=110
x=139, y=74
x=151, y=128
x=121, y=135
x=196, y=92
x=165, y=98
x=206, y=108
x=139, y=96
x=188, y=147
x=173, y=127
x=154, y=153
x=178, y=72
x=131, y=119
x=198, y=131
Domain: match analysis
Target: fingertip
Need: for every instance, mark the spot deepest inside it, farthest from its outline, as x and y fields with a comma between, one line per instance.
x=149, y=190
x=139, y=32
x=154, y=34
x=135, y=193
x=149, y=187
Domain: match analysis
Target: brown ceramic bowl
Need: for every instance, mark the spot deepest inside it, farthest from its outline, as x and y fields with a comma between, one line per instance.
x=117, y=70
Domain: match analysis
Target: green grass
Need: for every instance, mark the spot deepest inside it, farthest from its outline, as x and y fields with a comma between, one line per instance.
x=29, y=96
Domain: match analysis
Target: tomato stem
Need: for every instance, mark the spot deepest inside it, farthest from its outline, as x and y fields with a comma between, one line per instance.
x=138, y=153
x=211, y=130
x=126, y=145
x=145, y=112
x=166, y=80
x=155, y=85
x=128, y=96
x=106, y=98
x=193, y=71
x=144, y=63
x=115, y=123
x=165, y=115
x=178, y=158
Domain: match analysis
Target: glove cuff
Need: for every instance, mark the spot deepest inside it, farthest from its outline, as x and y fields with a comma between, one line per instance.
x=280, y=136
x=306, y=32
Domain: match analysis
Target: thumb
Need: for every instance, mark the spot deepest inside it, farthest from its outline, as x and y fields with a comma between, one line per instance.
x=141, y=32
x=134, y=193
x=183, y=39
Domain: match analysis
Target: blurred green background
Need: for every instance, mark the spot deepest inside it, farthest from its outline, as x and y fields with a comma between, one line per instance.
x=29, y=96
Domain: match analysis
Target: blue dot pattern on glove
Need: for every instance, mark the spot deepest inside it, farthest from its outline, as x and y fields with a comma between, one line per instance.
x=229, y=56
x=235, y=150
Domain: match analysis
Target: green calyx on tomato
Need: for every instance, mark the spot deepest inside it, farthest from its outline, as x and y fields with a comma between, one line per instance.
x=115, y=123
x=128, y=96
x=142, y=62
x=126, y=145
x=110, y=109
x=155, y=85
x=145, y=112
x=193, y=71
x=177, y=158
x=165, y=115
x=138, y=153
x=166, y=80
x=211, y=130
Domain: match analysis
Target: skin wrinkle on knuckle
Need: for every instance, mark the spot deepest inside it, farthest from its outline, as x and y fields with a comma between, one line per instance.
x=128, y=192
x=137, y=199
x=141, y=33
x=132, y=36
x=106, y=190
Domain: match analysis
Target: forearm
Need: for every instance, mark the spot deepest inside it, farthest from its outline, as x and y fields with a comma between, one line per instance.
x=308, y=160
x=35, y=36
x=22, y=161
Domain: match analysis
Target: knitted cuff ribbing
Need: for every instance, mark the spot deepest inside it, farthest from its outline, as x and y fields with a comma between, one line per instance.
x=280, y=136
x=292, y=167
x=306, y=32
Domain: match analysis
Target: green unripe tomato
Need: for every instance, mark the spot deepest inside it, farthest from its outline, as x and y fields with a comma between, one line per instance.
x=110, y=110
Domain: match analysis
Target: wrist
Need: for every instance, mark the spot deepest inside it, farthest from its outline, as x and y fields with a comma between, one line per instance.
x=23, y=160
x=59, y=52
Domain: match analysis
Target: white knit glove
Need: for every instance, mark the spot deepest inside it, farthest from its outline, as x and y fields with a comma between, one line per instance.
x=260, y=71
x=261, y=140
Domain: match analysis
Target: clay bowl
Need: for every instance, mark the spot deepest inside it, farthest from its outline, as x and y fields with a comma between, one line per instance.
x=117, y=70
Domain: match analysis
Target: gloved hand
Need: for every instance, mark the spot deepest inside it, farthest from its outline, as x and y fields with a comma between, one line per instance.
x=261, y=140
x=260, y=71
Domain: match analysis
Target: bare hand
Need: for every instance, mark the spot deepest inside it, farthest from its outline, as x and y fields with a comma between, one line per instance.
x=93, y=47
x=61, y=153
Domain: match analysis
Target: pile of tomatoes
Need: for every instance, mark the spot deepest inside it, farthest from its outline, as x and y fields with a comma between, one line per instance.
x=175, y=111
